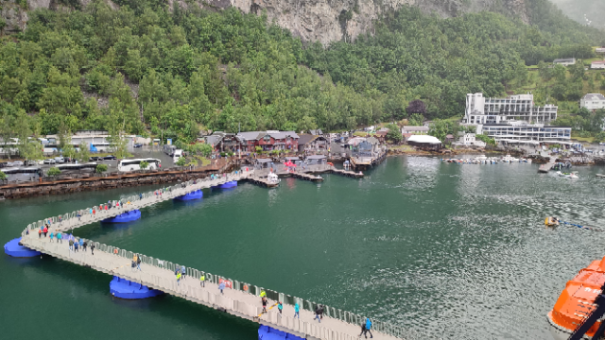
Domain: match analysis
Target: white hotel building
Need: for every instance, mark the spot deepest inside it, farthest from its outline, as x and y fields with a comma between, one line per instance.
x=515, y=120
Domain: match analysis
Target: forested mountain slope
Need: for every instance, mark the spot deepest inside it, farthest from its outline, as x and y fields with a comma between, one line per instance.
x=155, y=68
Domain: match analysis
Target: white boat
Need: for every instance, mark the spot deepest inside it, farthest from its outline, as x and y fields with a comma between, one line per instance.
x=509, y=159
x=272, y=178
x=572, y=175
x=481, y=159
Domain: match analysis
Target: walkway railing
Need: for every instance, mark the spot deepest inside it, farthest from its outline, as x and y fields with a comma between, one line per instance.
x=82, y=217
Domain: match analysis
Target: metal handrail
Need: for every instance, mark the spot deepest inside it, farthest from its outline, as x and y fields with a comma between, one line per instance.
x=332, y=312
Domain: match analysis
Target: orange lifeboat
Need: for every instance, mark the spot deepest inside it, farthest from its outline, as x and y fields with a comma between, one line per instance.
x=576, y=302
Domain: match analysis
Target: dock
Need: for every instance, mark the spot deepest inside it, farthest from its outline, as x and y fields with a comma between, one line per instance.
x=544, y=168
x=307, y=176
x=366, y=162
x=240, y=299
x=346, y=173
x=264, y=182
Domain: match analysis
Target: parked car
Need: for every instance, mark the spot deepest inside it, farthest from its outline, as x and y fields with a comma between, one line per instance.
x=138, y=145
x=94, y=159
x=49, y=161
x=110, y=158
x=59, y=160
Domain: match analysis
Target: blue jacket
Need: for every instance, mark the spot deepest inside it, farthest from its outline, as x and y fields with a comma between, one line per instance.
x=296, y=308
x=368, y=323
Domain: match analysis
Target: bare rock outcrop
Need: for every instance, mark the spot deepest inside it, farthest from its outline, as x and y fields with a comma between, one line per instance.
x=311, y=20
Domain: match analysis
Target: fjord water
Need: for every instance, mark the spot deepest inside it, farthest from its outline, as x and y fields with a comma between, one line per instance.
x=448, y=251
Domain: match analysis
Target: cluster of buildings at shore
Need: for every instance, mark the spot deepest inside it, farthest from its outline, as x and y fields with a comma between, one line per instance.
x=517, y=120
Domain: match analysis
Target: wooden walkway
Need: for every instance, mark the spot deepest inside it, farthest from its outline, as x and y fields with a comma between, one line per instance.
x=307, y=176
x=157, y=274
x=544, y=168
x=347, y=173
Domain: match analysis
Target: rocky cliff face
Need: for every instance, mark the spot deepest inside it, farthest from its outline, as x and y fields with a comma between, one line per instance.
x=332, y=20
x=312, y=20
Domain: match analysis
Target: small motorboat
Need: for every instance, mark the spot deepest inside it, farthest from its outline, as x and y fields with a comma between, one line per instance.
x=509, y=159
x=551, y=221
x=570, y=175
x=272, y=178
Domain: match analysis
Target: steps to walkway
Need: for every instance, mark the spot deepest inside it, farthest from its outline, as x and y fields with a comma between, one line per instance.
x=241, y=300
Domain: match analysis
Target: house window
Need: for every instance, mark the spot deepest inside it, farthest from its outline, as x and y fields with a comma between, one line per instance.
x=267, y=138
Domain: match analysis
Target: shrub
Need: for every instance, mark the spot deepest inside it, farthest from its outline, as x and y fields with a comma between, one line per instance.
x=2, y=176
x=144, y=165
x=486, y=139
x=181, y=162
x=101, y=168
x=54, y=171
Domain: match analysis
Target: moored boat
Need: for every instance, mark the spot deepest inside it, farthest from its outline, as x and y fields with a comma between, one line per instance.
x=509, y=159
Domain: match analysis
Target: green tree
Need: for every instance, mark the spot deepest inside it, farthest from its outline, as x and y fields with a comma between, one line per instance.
x=3, y=176
x=117, y=139
x=206, y=150
x=416, y=119
x=181, y=161
x=65, y=144
x=31, y=149
x=83, y=154
x=144, y=165
x=488, y=140
x=394, y=133
x=54, y=171
x=101, y=168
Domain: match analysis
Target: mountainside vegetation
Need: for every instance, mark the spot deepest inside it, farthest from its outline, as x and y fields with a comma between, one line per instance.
x=148, y=69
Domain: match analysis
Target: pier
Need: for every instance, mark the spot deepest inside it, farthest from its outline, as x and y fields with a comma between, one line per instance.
x=239, y=299
x=544, y=168
x=307, y=176
x=365, y=162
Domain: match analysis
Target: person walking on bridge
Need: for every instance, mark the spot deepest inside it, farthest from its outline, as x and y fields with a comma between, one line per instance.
x=81, y=243
x=133, y=265
x=139, y=262
x=59, y=237
x=221, y=287
x=297, y=310
x=84, y=245
x=319, y=310
x=363, y=330
x=51, y=236
x=264, y=301
x=178, y=278
x=280, y=307
x=92, y=248
x=71, y=244
x=203, y=280
x=368, y=326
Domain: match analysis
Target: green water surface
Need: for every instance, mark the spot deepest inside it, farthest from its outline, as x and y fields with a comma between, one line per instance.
x=447, y=251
